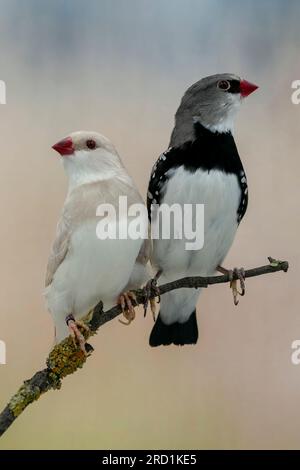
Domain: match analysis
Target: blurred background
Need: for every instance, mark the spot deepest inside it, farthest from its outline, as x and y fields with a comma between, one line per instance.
x=120, y=67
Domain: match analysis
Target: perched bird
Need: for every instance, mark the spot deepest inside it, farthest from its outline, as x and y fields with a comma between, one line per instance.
x=201, y=166
x=83, y=269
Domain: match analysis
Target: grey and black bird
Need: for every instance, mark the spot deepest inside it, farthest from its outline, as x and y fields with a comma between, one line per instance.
x=201, y=166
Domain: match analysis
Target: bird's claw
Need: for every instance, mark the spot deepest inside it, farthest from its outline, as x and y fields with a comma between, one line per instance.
x=75, y=333
x=125, y=301
x=148, y=289
x=240, y=274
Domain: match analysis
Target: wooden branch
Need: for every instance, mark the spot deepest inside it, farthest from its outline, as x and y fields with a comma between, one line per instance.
x=65, y=358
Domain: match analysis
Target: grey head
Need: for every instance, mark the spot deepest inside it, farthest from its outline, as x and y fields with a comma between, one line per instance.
x=213, y=101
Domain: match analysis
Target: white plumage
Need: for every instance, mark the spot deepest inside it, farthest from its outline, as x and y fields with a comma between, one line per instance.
x=82, y=269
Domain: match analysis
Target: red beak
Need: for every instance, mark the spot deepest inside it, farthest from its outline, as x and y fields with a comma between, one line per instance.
x=247, y=88
x=64, y=147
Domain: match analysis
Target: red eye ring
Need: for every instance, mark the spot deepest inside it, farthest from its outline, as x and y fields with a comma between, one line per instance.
x=223, y=85
x=91, y=144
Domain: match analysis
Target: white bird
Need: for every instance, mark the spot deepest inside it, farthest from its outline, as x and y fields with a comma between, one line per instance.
x=83, y=269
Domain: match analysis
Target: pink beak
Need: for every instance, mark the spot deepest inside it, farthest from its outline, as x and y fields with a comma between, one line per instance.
x=64, y=147
x=247, y=88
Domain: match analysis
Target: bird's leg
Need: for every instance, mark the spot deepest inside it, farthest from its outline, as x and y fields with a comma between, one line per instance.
x=75, y=332
x=125, y=300
x=240, y=274
x=152, y=285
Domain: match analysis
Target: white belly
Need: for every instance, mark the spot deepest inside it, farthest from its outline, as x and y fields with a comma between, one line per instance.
x=220, y=194
x=93, y=270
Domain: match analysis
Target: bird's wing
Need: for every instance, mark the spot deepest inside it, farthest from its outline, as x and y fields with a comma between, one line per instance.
x=80, y=207
x=244, y=195
x=59, y=248
x=159, y=174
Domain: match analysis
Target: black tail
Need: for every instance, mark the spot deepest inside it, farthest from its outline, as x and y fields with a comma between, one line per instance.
x=177, y=333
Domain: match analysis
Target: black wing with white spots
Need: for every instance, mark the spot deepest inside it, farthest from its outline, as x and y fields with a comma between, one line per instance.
x=159, y=175
x=244, y=195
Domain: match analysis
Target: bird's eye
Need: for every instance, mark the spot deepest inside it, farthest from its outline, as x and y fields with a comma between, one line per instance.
x=223, y=85
x=91, y=144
